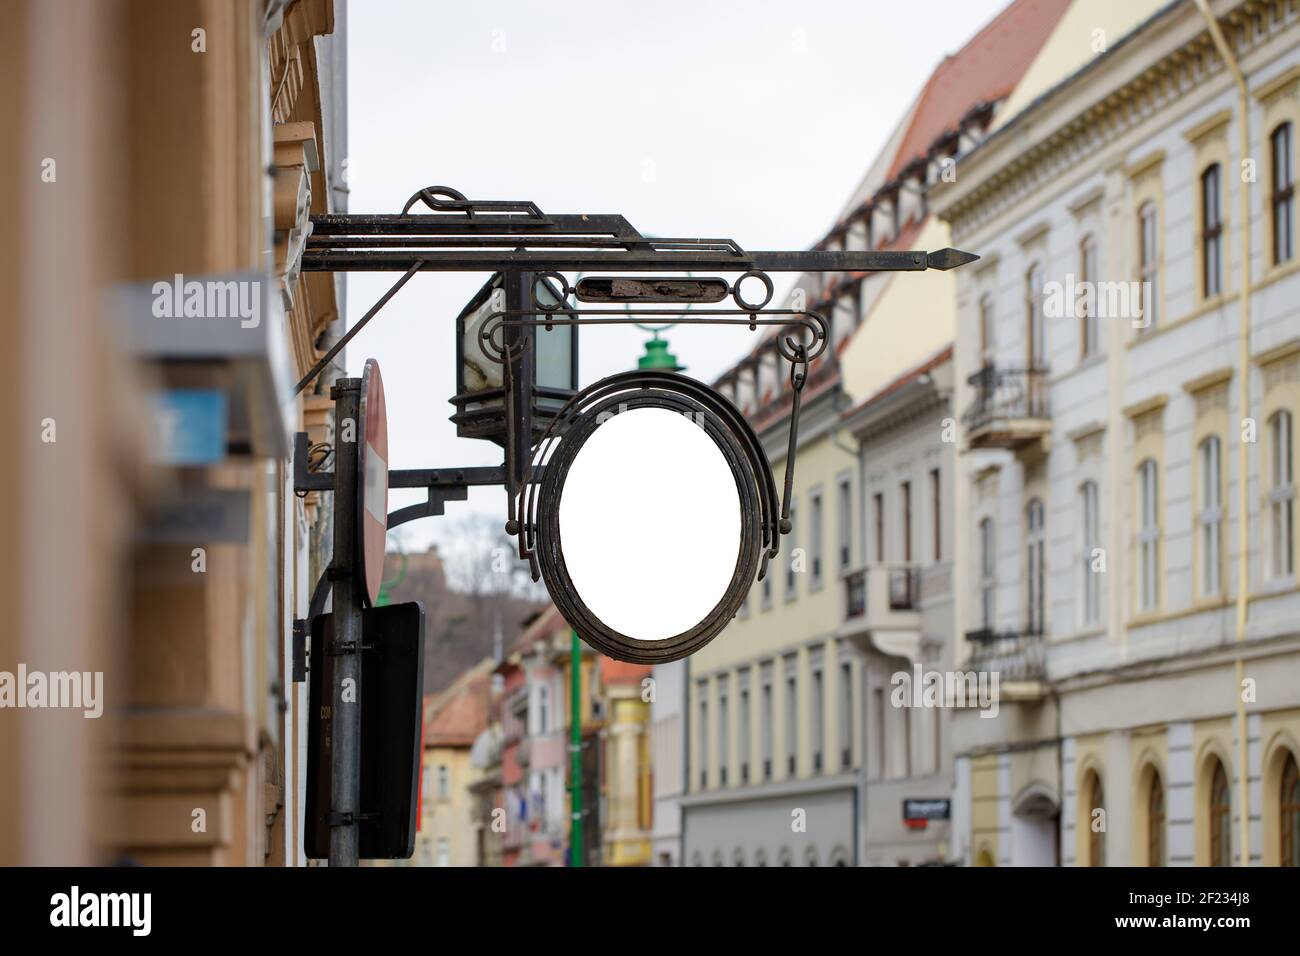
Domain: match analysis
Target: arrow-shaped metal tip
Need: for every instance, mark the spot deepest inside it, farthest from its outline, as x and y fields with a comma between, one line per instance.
x=946, y=259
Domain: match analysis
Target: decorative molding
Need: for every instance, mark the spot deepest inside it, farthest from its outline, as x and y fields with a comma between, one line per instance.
x=1277, y=353
x=1208, y=380
x=1146, y=406
x=1086, y=431
x=1211, y=125
x=1285, y=82
x=1033, y=234
x=1147, y=165
x=1085, y=203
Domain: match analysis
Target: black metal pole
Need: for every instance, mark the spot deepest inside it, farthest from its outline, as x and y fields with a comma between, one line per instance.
x=345, y=692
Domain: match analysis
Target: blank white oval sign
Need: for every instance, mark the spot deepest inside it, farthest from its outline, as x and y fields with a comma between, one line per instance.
x=650, y=523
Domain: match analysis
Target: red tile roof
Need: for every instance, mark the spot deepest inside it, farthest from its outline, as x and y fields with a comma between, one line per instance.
x=985, y=70
x=456, y=716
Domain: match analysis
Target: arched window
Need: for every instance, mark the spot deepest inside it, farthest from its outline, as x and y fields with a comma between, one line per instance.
x=1090, y=541
x=1210, y=517
x=984, y=858
x=1156, y=822
x=717, y=858
x=1281, y=495
x=785, y=858
x=1289, y=807
x=1220, y=817
x=1211, y=233
x=1095, y=821
x=1149, y=263
x=738, y=858
x=1035, y=562
x=1283, y=198
x=760, y=857
x=1035, y=321
x=810, y=856
x=1148, y=537
x=1089, y=332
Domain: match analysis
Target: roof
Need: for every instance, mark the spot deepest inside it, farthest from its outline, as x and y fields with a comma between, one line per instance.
x=457, y=715
x=621, y=673
x=911, y=375
x=985, y=70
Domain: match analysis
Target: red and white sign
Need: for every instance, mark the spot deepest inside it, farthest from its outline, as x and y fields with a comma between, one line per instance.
x=372, y=479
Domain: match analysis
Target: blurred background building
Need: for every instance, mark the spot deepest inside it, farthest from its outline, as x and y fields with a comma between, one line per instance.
x=149, y=526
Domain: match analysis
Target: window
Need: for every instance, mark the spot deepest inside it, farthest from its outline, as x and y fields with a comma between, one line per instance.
x=1149, y=263
x=878, y=719
x=1089, y=333
x=815, y=538
x=1035, y=547
x=1148, y=537
x=988, y=341
x=818, y=719
x=1281, y=497
x=846, y=715
x=444, y=852
x=767, y=590
x=1090, y=535
x=905, y=744
x=444, y=782
x=1095, y=822
x=543, y=709
x=791, y=582
x=1211, y=234
x=1156, y=822
x=704, y=734
x=1283, y=198
x=845, y=523
x=724, y=728
x=878, y=509
x=936, y=514
x=791, y=720
x=1289, y=806
x=906, y=490
x=1220, y=817
x=987, y=575
x=1210, y=517
x=742, y=744
x=765, y=722
x=1035, y=320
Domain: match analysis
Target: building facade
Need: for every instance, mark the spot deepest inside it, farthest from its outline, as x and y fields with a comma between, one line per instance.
x=1126, y=368
x=898, y=612
x=777, y=714
x=191, y=144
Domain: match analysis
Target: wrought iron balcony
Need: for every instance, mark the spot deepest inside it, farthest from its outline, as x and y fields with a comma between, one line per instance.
x=1017, y=656
x=1010, y=409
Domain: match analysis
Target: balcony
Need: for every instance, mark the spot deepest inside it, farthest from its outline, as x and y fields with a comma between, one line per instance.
x=882, y=608
x=1010, y=409
x=1018, y=657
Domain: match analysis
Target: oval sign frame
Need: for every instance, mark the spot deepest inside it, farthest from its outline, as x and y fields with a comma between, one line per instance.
x=372, y=483
x=550, y=552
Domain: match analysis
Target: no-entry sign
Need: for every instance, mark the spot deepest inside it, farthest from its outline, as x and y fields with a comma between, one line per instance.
x=372, y=480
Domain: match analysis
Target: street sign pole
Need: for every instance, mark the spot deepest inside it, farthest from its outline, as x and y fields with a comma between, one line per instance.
x=345, y=704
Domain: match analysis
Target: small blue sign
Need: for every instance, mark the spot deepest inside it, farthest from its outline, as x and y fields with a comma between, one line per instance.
x=189, y=426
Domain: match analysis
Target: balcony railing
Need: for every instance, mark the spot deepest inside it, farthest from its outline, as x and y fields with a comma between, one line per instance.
x=1008, y=402
x=901, y=586
x=1014, y=655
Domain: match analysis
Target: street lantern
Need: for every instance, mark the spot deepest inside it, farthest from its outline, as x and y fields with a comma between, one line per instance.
x=547, y=360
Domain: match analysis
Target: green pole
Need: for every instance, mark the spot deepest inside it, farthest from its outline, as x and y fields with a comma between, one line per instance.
x=575, y=750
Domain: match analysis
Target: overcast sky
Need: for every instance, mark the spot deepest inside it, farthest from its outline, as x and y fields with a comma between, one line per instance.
x=748, y=120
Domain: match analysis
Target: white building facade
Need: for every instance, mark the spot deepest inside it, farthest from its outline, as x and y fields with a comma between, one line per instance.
x=1109, y=391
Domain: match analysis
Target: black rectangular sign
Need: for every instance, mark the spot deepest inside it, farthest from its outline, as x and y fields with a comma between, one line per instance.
x=391, y=699
x=927, y=809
